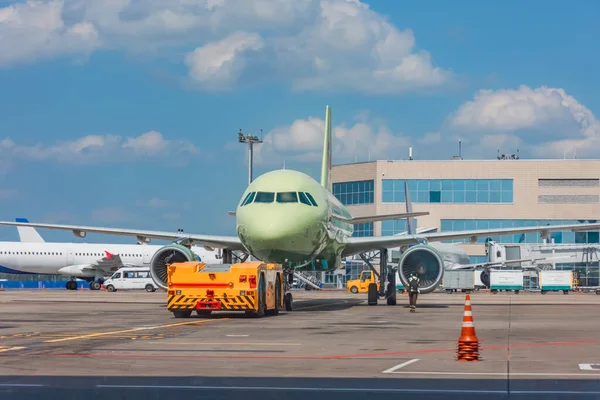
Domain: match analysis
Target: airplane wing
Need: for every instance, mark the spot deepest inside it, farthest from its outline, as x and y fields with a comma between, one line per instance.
x=110, y=263
x=501, y=264
x=358, y=245
x=385, y=217
x=222, y=242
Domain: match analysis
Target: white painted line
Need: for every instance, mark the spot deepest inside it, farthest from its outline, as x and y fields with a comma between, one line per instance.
x=303, y=389
x=397, y=367
x=492, y=373
x=21, y=385
x=237, y=335
x=589, y=367
x=345, y=389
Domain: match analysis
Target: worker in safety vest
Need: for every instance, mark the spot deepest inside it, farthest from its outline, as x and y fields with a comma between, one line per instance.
x=413, y=290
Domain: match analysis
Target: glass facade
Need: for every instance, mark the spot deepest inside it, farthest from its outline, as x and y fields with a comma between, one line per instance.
x=361, y=230
x=393, y=227
x=587, y=273
x=357, y=192
x=534, y=237
x=448, y=190
x=478, y=259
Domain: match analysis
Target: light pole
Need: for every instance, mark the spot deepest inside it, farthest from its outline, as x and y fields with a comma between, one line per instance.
x=251, y=140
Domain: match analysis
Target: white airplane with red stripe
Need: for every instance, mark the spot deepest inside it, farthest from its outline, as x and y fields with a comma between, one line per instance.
x=88, y=261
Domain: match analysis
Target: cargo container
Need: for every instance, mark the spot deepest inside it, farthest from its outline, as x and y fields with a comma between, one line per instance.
x=460, y=279
x=555, y=281
x=506, y=280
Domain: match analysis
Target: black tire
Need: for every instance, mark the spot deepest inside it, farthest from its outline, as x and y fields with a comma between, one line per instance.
x=288, y=301
x=95, y=285
x=150, y=288
x=517, y=291
x=203, y=312
x=391, y=298
x=544, y=292
x=111, y=288
x=598, y=292
x=372, y=295
x=182, y=313
x=262, y=295
x=565, y=292
x=354, y=289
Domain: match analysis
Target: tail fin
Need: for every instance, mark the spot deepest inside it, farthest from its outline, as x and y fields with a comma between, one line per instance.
x=410, y=222
x=326, y=163
x=28, y=234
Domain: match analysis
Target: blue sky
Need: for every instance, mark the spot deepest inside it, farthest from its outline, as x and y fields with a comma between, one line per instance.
x=125, y=115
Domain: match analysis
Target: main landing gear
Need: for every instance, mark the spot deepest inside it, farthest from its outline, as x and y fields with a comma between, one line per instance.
x=94, y=285
x=387, y=292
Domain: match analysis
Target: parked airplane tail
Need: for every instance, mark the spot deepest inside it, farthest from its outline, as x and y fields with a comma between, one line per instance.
x=326, y=163
x=27, y=233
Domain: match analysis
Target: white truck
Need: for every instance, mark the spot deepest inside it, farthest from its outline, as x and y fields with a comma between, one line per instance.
x=506, y=280
x=553, y=281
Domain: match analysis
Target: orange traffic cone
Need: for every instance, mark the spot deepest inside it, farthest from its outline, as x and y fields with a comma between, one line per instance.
x=468, y=344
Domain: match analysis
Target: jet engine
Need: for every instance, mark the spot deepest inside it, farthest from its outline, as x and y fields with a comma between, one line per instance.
x=168, y=255
x=427, y=262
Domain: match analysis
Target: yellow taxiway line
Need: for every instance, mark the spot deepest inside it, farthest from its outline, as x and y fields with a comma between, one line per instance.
x=2, y=349
x=92, y=335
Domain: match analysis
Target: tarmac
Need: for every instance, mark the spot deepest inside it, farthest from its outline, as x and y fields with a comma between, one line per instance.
x=96, y=344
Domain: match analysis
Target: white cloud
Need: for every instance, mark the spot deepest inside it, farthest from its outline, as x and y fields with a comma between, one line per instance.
x=217, y=64
x=36, y=29
x=97, y=149
x=545, y=120
x=430, y=138
x=314, y=44
x=302, y=141
x=112, y=214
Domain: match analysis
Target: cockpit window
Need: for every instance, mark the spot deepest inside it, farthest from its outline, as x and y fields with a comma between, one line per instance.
x=312, y=199
x=304, y=199
x=246, y=199
x=249, y=199
x=264, y=197
x=287, y=197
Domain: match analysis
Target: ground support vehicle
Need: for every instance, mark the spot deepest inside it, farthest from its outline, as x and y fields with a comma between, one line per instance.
x=506, y=280
x=361, y=285
x=255, y=287
x=460, y=279
x=556, y=280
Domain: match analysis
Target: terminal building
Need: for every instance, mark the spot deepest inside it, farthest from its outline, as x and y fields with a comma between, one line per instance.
x=479, y=194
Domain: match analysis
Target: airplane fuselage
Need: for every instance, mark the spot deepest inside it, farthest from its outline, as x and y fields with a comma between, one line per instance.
x=287, y=216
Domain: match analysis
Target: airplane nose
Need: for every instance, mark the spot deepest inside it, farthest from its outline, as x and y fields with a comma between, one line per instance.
x=270, y=234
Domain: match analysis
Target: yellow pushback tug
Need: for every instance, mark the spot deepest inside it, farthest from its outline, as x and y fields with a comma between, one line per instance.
x=254, y=287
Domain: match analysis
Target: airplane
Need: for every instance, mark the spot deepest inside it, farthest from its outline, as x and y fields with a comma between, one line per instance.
x=287, y=217
x=91, y=262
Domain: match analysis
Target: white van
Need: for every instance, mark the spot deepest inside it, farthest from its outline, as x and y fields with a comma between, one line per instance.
x=131, y=278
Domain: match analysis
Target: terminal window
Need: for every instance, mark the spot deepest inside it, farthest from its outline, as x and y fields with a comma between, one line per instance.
x=357, y=192
x=448, y=190
x=362, y=230
x=534, y=237
x=396, y=226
